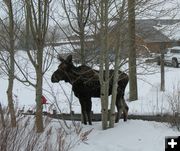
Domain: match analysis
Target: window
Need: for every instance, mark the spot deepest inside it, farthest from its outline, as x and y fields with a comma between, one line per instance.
x=175, y=50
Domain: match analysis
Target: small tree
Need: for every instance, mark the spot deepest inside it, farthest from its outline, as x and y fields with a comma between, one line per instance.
x=81, y=13
x=37, y=19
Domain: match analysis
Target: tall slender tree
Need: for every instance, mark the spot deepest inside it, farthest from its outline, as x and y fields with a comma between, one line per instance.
x=119, y=40
x=132, y=51
x=10, y=48
x=104, y=62
x=37, y=19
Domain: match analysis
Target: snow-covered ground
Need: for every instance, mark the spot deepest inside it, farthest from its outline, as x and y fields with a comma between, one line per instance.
x=133, y=135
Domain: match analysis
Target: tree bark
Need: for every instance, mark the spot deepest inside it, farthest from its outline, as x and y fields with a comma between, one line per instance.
x=39, y=107
x=132, y=51
x=162, y=69
x=2, y=116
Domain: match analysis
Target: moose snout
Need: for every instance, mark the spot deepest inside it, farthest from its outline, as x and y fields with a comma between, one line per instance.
x=54, y=79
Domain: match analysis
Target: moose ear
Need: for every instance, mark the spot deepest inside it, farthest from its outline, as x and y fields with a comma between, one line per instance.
x=69, y=58
x=60, y=58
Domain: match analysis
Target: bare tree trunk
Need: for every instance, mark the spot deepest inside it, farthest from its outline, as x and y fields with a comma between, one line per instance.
x=132, y=51
x=116, y=67
x=114, y=90
x=81, y=31
x=11, y=65
x=39, y=118
x=115, y=80
x=82, y=42
x=162, y=69
x=10, y=102
x=2, y=116
x=104, y=63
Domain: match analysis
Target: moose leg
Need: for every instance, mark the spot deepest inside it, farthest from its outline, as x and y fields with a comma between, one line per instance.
x=122, y=107
x=125, y=110
x=88, y=110
x=119, y=107
x=83, y=110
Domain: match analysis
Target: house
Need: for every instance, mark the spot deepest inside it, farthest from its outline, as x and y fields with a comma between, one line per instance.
x=152, y=35
x=156, y=35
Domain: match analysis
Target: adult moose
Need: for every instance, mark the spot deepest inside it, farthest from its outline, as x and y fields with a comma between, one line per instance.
x=85, y=84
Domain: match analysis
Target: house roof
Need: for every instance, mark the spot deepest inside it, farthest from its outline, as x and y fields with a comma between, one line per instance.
x=149, y=31
x=171, y=31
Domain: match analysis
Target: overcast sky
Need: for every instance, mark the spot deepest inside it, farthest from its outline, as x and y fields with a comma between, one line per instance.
x=151, y=10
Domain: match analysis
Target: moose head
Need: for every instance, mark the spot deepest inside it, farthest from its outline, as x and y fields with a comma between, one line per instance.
x=62, y=72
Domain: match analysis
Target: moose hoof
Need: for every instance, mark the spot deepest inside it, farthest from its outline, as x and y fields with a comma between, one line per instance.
x=125, y=117
x=116, y=121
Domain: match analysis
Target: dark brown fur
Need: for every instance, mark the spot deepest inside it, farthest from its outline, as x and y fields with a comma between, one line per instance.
x=85, y=84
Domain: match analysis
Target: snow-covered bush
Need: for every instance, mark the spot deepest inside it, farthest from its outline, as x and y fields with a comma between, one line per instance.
x=57, y=135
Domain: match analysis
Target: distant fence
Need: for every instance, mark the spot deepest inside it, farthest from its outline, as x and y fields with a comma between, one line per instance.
x=97, y=117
